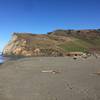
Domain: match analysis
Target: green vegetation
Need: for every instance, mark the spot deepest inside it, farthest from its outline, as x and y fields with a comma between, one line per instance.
x=72, y=47
x=77, y=45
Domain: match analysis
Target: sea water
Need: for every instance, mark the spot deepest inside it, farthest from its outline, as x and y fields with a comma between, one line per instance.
x=3, y=59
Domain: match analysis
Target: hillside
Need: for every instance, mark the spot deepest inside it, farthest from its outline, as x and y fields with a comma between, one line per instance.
x=56, y=43
x=84, y=40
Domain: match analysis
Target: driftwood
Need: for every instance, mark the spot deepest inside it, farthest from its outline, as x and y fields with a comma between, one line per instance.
x=50, y=71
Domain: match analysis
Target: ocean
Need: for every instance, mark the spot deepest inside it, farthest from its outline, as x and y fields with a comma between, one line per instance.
x=6, y=58
x=3, y=59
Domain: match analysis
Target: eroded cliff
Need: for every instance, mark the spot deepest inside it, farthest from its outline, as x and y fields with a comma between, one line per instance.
x=32, y=45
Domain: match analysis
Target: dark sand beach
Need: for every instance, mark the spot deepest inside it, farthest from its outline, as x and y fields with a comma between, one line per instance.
x=50, y=78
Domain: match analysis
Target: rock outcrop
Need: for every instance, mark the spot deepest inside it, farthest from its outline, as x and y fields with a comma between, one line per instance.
x=31, y=45
x=55, y=43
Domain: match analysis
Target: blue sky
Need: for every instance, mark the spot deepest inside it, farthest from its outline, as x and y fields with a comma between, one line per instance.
x=42, y=16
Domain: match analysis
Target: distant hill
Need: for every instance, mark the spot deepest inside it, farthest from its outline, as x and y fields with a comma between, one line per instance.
x=56, y=43
x=85, y=40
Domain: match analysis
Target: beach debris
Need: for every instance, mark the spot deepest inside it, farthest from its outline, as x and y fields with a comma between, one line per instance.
x=50, y=71
x=97, y=73
x=85, y=56
x=75, y=57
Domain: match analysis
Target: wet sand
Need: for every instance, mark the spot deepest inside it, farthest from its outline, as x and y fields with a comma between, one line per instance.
x=33, y=79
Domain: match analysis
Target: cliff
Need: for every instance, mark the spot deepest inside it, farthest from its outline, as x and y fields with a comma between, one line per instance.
x=55, y=43
x=25, y=44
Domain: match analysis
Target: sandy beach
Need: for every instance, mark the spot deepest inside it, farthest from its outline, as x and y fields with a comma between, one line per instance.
x=50, y=78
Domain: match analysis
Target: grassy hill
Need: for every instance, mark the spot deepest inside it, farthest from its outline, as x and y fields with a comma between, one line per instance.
x=83, y=40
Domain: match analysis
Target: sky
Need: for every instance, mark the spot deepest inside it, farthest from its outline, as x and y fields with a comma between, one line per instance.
x=42, y=16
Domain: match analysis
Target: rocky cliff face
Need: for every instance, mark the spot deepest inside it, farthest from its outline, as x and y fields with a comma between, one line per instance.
x=32, y=45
